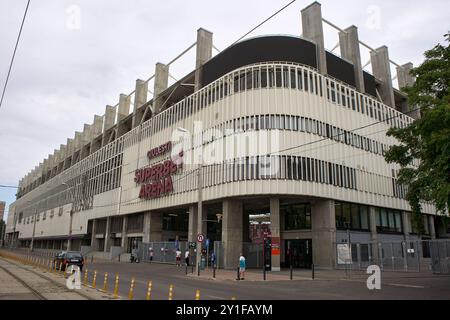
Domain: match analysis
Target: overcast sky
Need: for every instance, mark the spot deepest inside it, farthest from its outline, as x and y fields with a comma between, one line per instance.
x=75, y=57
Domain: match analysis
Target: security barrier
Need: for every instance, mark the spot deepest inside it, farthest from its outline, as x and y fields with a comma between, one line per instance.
x=149, y=291
x=130, y=293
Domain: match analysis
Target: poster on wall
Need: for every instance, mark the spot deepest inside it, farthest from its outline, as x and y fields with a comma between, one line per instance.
x=344, y=254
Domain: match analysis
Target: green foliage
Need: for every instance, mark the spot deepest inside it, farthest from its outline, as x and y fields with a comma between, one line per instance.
x=427, y=139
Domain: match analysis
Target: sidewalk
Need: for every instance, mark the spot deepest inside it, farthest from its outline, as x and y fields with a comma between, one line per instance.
x=252, y=275
x=302, y=274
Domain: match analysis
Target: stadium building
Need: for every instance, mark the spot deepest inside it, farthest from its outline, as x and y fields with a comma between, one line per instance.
x=280, y=141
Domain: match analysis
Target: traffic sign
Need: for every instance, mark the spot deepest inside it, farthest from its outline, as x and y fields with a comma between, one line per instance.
x=200, y=237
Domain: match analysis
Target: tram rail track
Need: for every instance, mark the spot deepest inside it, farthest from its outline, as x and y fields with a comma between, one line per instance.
x=35, y=292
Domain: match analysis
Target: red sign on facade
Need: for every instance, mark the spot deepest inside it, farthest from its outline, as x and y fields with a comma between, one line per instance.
x=157, y=179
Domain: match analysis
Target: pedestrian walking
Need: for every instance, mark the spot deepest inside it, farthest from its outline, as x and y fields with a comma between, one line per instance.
x=186, y=257
x=242, y=265
x=178, y=257
x=150, y=254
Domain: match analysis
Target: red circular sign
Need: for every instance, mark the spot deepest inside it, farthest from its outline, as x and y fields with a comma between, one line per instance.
x=200, y=238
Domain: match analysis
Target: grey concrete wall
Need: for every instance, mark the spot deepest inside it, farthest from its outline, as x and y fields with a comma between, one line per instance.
x=155, y=226
x=382, y=71
x=124, y=232
x=323, y=223
x=275, y=231
x=313, y=30
x=192, y=231
x=107, y=235
x=232, y=224
x=161, y=83
x=203, y=53
x=349, y=44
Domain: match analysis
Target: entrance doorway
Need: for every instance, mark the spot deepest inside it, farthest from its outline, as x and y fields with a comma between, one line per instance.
x=299, y=253
x=133, y=244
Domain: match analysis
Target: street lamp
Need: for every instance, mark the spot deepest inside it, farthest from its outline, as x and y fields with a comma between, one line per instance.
x=69, y=241
x=198, y=255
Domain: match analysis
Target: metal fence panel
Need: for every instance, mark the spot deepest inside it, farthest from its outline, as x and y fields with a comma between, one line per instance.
x=408, y=256
x=253, y=254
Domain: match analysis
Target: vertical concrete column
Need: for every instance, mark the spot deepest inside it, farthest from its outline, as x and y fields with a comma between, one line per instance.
x=110, y=117
x=192, y=231
x=123, y=241
x=349, y=44
x=313, y=30
x=373, y=233
x=432, y=227
x=161, y=83
x=406, y=79
x=140, y=98
x=124, y=107
x=107, y=233
x=275, y=231
x=323, y=221
x=156, y=223
x=146, y=229
x=203, y=53
x=382, y=71
x=406, y=221
x=404, y=76
x=93, y=239
x=232, y=232
x=97, y=126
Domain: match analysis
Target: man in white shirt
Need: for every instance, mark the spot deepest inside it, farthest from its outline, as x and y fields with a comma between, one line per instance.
x=178, y=257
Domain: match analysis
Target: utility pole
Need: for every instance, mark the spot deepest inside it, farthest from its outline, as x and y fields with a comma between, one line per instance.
x=200, y=205
x=200, y=219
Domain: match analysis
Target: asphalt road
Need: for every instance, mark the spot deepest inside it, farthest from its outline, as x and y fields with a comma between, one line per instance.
x=327, y=285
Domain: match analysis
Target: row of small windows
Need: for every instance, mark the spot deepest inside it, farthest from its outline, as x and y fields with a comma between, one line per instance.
x=30, y=219
x=356, y=217
x=281, y=167
x=274, y=75
x=302, y=124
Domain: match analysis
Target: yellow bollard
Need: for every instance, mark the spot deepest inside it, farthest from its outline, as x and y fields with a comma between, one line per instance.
x=149, y=290
x=170, y=292
x=50, y=266
x=105, y=282
x=233, y=298
x=197, y=295
x=60, y=267
x=116, y=286
x=85, y=277
x=130, y=294
x=94, y=280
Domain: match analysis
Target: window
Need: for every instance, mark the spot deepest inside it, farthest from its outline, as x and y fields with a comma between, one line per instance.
x=389, y=221
x=352, y=216
x=296, y=216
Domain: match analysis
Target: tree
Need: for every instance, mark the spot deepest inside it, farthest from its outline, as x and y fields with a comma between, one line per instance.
x=426, y=142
